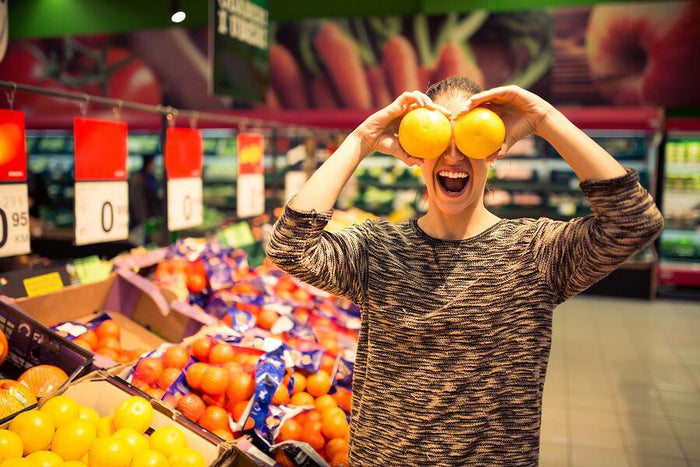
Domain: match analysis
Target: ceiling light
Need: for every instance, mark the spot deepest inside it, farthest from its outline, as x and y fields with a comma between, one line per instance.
x=178, y=14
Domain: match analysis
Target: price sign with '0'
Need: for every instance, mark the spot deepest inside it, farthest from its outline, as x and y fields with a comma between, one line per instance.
x=14, y=219
x=101, y=212
x=184, y=203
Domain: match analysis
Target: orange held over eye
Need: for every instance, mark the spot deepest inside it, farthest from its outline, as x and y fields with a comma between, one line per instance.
x=479, y=133
x=425, y=133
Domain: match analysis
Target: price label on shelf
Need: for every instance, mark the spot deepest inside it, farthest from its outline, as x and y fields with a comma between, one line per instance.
x=101, y=212
x=184, y=203
x=250, y=195
x=14, y=219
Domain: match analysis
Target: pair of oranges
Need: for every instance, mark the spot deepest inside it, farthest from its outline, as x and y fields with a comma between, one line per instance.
x=426, y=133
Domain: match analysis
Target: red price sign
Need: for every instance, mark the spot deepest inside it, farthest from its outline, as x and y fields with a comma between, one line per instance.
x=101, y=191
x=251, y=152
x=100, y=149
x=183, y=166
x=13, y=153
x=183, y=153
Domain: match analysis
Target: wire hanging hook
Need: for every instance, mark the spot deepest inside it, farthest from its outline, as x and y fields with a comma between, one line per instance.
x=84, y=105
x=117, y=110
x=172, y=114
x=193, y=120
x=11, y=96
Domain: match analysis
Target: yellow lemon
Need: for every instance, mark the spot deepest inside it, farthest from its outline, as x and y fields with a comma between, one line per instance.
x=479, y=133
x=167, y=440
x=134, y=412
x=45, y=459
x=61, y=409
x=105, y=427
x=10, y=445
x=424, y=133
x=35, y=428
x=88, y=414
x=150, y=458
x=186, y=457
x=133, y=438
x=74, y=439
x=110, y=452
x=16, y=462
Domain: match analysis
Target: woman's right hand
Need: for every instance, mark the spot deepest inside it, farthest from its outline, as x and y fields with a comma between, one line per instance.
x=380, y=131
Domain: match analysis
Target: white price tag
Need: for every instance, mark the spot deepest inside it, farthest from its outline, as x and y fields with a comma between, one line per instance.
x=101, y=212
x=293, y=181
x=250, y=195
x=14, y=219
x=184, y=203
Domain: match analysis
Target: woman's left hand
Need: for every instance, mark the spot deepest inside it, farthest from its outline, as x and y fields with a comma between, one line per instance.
x=522, y=113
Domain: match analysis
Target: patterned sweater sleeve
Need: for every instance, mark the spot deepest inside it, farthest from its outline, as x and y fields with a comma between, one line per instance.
x=574, y=255
x=332, y=261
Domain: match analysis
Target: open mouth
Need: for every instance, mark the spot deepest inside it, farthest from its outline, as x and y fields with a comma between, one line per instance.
x=453, y=183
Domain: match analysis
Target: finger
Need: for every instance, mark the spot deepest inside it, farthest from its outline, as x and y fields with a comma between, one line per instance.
x=398, y=152
x=500, y=154
x=499, y=95
x=440, y=108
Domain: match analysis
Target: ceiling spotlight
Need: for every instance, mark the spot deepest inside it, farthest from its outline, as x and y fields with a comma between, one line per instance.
x=178, y=14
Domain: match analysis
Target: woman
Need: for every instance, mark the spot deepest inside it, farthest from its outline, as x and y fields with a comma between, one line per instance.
x=457, y=305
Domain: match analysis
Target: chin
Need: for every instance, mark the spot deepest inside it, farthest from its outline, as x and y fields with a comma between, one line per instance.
x=646, y=53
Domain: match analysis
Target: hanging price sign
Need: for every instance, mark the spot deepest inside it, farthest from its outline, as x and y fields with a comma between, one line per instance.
x=183, y=166
x=101, y=189
x=250, y=190
x=14, y=200
x=184, y=203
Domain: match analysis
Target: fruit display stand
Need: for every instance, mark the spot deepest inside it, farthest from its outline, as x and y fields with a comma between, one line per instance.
x=27, y=344
x=142, y=314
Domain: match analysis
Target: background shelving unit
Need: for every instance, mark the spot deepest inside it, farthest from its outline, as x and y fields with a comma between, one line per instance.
x=679, y=266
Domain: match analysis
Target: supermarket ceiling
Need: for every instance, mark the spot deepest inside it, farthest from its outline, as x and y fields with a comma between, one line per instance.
x=51, y=18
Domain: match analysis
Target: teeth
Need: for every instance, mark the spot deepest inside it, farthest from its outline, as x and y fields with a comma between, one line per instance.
x=445, y=173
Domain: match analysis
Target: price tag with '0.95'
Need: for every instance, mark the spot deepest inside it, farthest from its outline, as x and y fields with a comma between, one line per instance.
x=101, y=212
x=14, y=219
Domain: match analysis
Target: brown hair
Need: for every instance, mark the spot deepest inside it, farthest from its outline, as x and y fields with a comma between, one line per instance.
x=453, y=84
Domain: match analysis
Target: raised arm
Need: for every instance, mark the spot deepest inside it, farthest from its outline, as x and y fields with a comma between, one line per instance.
x=336, y=261
x=377, y=133
x=573, y=255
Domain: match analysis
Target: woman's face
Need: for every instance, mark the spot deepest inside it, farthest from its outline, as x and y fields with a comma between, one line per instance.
x=454, y=182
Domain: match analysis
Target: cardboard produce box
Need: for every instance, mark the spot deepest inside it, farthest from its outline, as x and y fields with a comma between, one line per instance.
x=31, y=344
x=104, y=393
x=143, y=314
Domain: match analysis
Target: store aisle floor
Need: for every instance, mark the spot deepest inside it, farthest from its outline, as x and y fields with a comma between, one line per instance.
x=623, y=385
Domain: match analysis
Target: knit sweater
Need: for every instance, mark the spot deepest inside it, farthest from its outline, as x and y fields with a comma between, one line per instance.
x=455, y=335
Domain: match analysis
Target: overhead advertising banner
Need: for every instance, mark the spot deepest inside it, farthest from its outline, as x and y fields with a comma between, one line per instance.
x=239, y=42
x=603, y=54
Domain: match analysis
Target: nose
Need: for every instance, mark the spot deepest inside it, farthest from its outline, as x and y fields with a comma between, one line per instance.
x=452, y=155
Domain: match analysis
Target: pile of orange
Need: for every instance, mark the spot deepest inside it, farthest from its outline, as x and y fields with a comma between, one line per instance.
x=106, y=340
x=222, y=383
x=325, y=426
x=154, y=375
